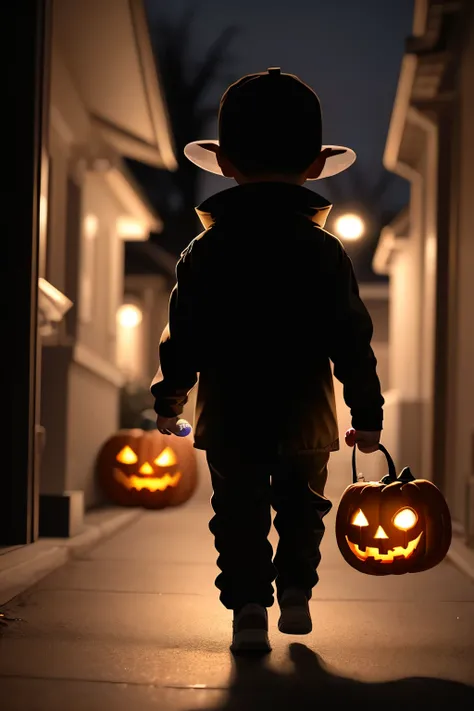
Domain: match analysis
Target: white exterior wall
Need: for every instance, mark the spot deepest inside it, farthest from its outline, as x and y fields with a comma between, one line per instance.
x=373, y=466
x=416, y=151
x=409, y=401
x=80, y=381
x=461, y=425
x=94, y=380
x=105, y=103
x=405, y=322
x=428, y=170
x=101, y=268
x=151, y=294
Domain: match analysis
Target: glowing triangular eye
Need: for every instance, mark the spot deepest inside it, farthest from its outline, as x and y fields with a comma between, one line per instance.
x=166, y=459
x=405, y=519
x=359, y=519
x=126, y=456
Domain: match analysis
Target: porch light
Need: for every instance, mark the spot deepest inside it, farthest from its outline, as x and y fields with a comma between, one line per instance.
x=129, y=316
x=131, y=229
x=349, y=226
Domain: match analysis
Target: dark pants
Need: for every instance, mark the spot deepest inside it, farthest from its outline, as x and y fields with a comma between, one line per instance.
x=246, y=484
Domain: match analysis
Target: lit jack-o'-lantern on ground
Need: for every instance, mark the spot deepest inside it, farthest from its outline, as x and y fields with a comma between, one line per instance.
x=149, y=469
x=394, y=526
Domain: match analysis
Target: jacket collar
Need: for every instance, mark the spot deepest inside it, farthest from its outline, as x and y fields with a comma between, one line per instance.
x=264, y=197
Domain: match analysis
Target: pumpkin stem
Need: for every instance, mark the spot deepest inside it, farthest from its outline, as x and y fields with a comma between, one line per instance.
x=148, y=420
x=406, y=475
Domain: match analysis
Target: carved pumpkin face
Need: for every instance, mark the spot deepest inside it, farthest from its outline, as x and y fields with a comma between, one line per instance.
x=393, y=528
x=138, y=468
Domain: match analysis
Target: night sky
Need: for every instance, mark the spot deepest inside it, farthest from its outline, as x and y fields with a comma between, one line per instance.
x=349, y=51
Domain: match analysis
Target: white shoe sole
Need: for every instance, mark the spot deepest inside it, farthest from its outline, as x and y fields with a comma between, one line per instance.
x=250, y=641
x=295, y=620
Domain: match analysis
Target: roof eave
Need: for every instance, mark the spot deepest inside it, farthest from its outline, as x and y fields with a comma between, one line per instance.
x=153, y=86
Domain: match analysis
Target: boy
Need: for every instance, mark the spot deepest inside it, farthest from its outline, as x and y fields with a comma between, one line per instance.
x=264, y=299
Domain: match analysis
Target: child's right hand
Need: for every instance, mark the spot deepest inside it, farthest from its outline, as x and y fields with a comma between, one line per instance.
x=367, y=442
x=173, y=425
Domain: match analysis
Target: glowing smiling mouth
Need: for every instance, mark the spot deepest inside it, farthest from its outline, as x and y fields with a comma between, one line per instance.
x=389, y=557
x=152, y=483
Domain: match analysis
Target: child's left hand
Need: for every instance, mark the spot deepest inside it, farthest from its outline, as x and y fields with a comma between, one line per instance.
x=167, y=425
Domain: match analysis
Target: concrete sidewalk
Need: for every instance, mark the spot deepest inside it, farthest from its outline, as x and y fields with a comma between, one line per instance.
x=135, y=623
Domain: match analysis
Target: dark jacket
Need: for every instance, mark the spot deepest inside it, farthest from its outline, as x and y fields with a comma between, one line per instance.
x=264, y=299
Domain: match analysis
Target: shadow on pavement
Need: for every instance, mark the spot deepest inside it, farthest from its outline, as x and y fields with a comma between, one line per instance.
x=256, y=687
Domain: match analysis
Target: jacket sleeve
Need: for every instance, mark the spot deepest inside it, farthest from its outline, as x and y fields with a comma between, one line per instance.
x=177, y=374
x=351, y=331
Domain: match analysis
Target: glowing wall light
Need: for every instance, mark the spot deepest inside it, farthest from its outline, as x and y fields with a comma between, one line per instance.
x=129, y=316
x=130, y=229
x=130, y=341
x=350, y=227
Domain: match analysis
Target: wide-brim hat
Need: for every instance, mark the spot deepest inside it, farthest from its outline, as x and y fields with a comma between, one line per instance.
x=267, y=120
x=203, y=154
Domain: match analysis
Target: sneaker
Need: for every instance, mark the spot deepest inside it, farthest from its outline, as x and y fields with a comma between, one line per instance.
x=295, y=616
x=250, y=630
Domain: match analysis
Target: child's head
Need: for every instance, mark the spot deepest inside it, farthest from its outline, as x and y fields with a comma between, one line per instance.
x=270, y=128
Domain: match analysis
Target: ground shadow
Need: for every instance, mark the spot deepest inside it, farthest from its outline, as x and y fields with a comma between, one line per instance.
x=310, y=686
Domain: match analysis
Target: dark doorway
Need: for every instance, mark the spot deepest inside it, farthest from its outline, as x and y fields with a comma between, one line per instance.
x=27, y=87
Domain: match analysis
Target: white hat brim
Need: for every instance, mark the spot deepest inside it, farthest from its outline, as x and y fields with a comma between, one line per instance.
x=206, y=158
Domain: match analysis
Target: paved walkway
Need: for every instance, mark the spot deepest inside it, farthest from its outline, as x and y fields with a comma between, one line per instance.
x=136, y=624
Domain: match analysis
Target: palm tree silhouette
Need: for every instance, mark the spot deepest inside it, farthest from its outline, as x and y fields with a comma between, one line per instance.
x=186, y=82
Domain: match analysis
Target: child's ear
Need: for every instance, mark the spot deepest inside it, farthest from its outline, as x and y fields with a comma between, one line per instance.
x=225, y=165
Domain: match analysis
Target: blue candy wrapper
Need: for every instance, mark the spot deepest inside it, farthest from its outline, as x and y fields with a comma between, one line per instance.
x=184, y=428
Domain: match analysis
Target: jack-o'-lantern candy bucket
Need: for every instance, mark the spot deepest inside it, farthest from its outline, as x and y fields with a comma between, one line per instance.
x=146, y=468
x=393, y=526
